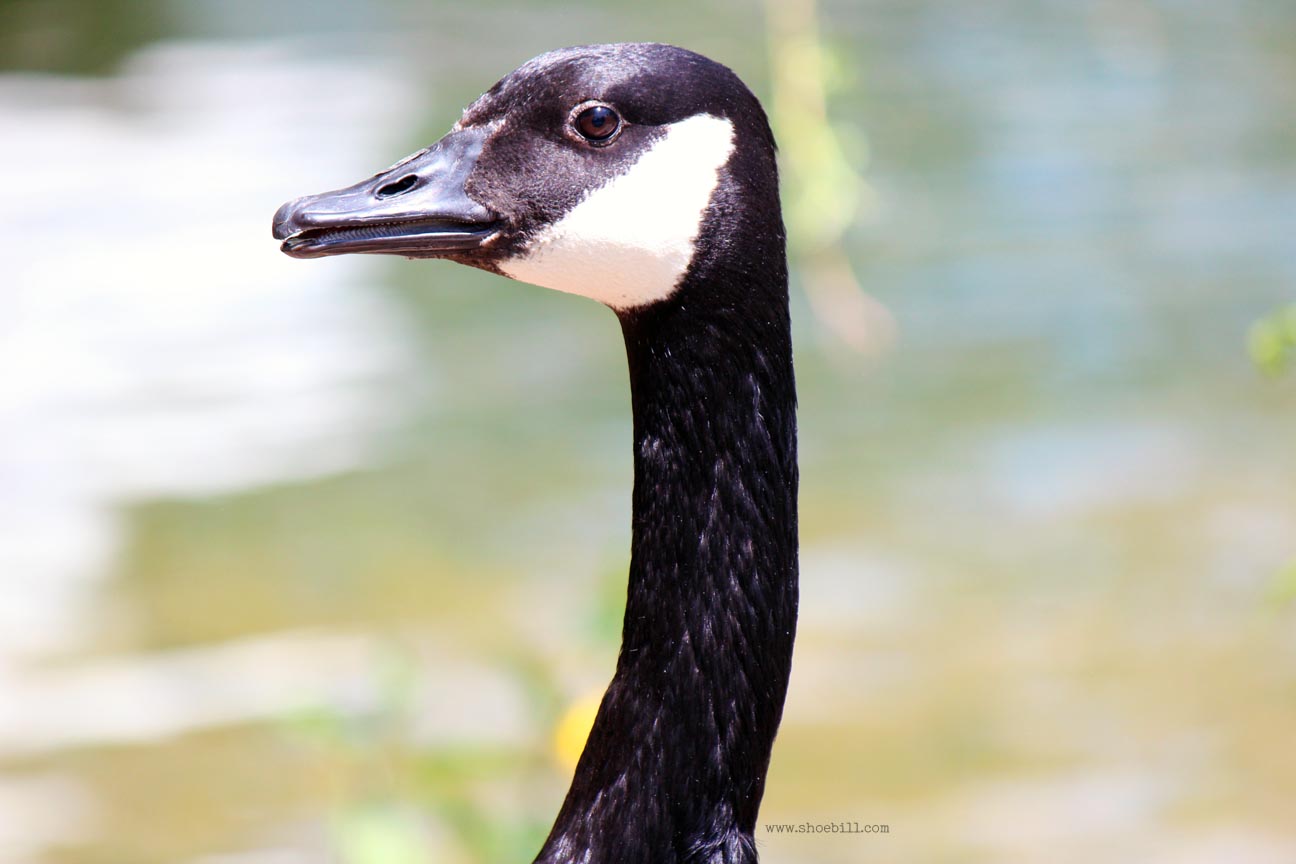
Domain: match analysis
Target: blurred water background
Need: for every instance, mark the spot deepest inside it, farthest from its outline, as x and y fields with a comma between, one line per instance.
x=307, y=561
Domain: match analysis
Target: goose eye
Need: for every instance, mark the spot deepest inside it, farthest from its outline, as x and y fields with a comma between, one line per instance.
x=597, y=123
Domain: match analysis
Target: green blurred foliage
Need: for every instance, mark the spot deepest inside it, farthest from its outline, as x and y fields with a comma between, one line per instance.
x=1283, y=587
x=1272, y=340
x=81, y=37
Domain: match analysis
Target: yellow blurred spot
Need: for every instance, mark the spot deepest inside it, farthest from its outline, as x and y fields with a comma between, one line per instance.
x=574, y=727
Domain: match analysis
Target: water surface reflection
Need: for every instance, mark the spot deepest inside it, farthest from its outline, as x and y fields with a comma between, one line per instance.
x=305, y=561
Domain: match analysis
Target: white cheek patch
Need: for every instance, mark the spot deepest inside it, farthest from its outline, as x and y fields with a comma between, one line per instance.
x=628, y=242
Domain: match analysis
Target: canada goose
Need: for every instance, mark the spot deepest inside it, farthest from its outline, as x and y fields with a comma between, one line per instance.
x=643, y=176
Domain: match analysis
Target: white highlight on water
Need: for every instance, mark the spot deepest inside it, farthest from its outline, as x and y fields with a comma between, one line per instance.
x=153, y=341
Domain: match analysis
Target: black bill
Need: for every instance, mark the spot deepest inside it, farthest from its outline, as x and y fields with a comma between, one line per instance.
x=417, y=208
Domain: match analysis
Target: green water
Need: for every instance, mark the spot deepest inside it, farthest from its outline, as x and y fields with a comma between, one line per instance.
x=1045, y=615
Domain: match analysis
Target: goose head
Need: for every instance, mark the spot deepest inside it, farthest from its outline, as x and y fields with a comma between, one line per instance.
x=605, y=171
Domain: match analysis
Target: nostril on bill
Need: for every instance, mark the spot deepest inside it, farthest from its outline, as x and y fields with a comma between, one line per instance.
x=400, y=187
